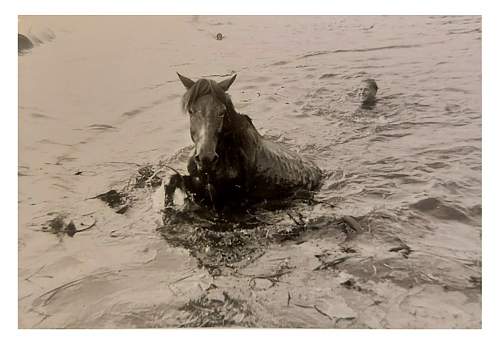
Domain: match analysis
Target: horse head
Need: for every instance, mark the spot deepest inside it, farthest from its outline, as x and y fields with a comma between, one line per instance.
x=207, y=104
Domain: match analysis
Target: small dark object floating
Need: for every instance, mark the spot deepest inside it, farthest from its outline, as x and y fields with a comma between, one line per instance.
x=404, y=250
x=219, y=36
x=114, y=200
x=350, y=283
x=331, y=264
x=59, y=226
x=71, y=229
x=147, y=176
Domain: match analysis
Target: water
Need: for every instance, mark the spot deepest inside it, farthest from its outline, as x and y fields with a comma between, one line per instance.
x=100, y=96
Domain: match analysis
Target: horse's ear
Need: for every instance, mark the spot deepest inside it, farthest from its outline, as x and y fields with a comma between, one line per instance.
x=188, y=83
x=227, y=83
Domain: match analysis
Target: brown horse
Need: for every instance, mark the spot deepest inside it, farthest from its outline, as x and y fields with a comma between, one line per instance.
x=232, y=162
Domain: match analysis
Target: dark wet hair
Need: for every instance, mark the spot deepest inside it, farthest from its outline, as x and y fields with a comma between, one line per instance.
x=371, y=82
x=204, y=87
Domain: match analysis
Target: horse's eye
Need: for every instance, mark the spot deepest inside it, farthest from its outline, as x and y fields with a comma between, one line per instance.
x=222, y=114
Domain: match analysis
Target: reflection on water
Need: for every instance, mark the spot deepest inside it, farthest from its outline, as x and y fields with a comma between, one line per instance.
x=99, y=96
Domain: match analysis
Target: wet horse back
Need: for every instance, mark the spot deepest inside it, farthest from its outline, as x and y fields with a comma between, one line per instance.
x=280, y=168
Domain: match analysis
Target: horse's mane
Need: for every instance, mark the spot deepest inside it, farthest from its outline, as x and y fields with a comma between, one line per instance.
x=204, y=87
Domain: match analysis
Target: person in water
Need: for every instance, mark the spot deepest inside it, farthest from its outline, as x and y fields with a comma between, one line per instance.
x=367, y=92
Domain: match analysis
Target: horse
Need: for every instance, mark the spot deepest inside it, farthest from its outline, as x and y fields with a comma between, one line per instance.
x=232, y=163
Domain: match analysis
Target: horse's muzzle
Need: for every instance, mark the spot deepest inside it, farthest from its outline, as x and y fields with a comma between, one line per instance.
x=206, y=162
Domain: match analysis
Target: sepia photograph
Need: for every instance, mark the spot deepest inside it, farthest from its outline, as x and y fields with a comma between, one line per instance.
x=249, y=171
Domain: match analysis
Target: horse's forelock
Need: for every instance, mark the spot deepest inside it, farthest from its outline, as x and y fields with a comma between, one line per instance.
x=204, y=87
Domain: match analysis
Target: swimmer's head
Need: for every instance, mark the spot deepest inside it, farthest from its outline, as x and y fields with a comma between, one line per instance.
x=367, y=91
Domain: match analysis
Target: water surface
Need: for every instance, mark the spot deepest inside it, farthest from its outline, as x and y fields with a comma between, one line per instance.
x=99, y=96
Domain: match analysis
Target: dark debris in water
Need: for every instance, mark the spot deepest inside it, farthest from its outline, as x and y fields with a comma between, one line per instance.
x=234, y=241
x=404, y=250
x=273, y=278
x=113, y=198
x=351, y=284
x=147, y=176
x=119, y=201
x=347, y=249
x=207, y=312
x=331, y=264
x=215, y=243
x=235, y=235
x=61, y=225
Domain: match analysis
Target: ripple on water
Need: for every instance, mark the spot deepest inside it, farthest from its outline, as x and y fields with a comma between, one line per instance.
x=440, y=209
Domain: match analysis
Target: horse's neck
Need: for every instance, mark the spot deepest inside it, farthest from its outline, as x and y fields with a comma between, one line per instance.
x=239, y=137
x=240, y=129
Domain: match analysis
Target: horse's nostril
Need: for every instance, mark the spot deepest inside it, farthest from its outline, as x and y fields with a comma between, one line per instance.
x=206, y=162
